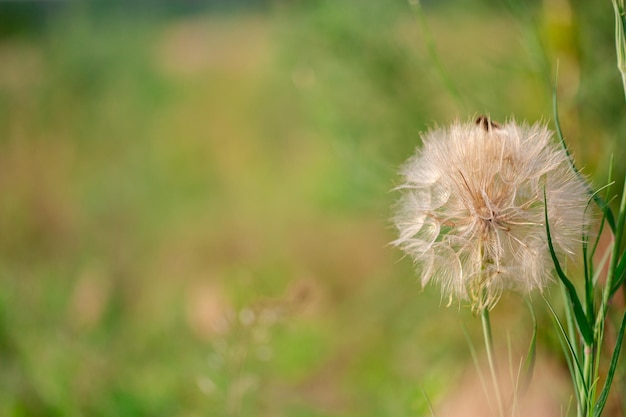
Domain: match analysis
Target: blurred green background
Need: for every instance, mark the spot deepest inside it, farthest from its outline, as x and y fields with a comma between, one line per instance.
x=195, y=197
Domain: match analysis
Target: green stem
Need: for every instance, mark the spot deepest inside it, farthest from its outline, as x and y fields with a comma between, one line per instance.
x=579, y=377
x=484, y=315
x=615, y=255
x=588, y=372
x=434, y=56
x=620, y=40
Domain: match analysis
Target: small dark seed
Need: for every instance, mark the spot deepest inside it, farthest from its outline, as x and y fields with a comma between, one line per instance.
x=486, y=123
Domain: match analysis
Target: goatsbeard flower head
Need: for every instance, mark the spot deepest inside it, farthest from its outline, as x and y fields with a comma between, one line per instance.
x=472, y=213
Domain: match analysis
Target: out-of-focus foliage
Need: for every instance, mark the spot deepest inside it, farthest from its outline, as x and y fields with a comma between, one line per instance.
x=194, y=206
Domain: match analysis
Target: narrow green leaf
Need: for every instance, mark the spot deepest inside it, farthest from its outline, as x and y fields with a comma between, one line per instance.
x=604, y=395
x=614, y=267
x=572, y=328
x=427, y=35
x=529, y=361
x=610, y=218
x=620, y=275
x=610, y=182
x=428, y=403
x=581, y=319
x=588, y=279
x=620, y=40
x=590, y=274
x=481, y=377
x=572, y=354
x=621, y=221
x=555, y=112
x=603, y=262
x=570, y=365
x=606, y=210
x=573, y=335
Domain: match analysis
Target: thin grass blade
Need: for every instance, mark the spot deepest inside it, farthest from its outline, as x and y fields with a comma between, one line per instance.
x=587, y=267
x=610, y=218
x=428, y=403
x=607, y=199
x=581, y=319
x=604, y=395
x=434, y=56
x=620, y=40
x=620, y=275
x=615, y=256
x=529, y=361
x=481, y=377
x=600, y=269
x=621, y=221
x=572, y=358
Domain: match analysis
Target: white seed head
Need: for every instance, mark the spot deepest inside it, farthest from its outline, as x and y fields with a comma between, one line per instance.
x=472, y=214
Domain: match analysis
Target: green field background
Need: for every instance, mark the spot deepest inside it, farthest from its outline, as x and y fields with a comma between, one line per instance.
x=195, y=198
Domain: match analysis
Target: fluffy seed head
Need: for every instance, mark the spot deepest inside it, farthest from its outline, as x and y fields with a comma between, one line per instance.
x=472, y=214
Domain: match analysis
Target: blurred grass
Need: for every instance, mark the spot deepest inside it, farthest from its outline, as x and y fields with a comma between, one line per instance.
x=193, y=208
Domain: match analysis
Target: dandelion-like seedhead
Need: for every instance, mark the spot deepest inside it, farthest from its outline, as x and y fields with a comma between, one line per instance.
x=472, y=214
